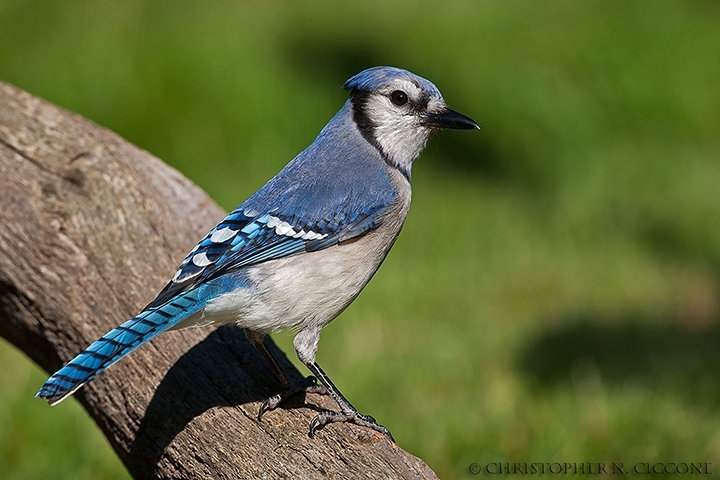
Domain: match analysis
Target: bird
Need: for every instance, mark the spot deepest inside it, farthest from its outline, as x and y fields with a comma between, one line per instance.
x=298, y=251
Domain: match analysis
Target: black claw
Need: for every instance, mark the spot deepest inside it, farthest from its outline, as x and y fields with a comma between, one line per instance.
x=347, y=412
x=309, y=385
x=313, y=426
x=328, y=416
x=269, y=404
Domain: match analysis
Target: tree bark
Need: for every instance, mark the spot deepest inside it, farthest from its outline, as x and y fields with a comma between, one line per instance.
x=91, y=228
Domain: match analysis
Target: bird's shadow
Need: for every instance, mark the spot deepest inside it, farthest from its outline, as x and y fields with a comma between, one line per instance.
x=632, y=351
x=222, y=370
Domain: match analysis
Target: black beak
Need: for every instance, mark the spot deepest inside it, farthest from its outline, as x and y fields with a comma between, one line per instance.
x=450, y=119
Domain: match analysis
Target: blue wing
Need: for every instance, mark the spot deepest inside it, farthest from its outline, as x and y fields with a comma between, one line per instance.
x=242, y=239
x=297, y=211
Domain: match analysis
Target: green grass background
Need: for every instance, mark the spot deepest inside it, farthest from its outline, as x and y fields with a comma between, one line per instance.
x=555, y=294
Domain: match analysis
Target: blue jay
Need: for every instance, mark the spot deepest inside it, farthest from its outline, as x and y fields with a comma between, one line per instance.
x=298, y=251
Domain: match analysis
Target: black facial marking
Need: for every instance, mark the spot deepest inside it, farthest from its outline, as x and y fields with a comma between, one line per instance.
x=422, y=103
x=359, y=100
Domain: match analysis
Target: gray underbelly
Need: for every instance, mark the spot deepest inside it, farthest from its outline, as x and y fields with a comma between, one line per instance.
x=310, y=289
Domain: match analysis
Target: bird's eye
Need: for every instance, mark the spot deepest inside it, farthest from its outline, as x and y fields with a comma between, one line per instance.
x=399, y=98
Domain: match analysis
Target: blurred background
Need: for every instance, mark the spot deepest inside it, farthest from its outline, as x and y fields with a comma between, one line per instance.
x=555, y=294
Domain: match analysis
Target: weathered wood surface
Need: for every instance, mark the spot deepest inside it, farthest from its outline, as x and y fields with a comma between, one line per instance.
x=91, y=227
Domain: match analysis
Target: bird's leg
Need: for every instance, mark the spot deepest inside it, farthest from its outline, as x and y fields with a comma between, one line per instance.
x=289, y=388
x=347, y=412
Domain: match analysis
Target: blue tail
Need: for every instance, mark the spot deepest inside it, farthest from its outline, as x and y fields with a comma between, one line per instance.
x=117, y=343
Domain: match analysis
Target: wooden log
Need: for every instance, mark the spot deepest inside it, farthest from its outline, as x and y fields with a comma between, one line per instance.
x=91, y=228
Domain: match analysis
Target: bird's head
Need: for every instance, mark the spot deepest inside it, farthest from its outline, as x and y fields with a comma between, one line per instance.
x=397, y=111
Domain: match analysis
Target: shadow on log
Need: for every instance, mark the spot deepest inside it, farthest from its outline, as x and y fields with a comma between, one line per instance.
x=91, y=227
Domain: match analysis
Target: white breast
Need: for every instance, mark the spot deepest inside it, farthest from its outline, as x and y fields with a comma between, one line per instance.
x=311, y=289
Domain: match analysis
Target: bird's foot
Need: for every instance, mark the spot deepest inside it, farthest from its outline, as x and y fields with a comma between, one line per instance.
x=347, y=415
x=308, y=385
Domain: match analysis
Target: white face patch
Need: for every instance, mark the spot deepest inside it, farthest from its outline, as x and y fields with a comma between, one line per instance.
x=398, y=129
x=399, y=134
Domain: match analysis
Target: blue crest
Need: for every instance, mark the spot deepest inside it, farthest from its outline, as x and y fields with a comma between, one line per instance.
x=376, y=77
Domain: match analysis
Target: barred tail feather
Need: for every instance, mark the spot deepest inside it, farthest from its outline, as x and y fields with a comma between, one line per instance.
x=116, y=344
